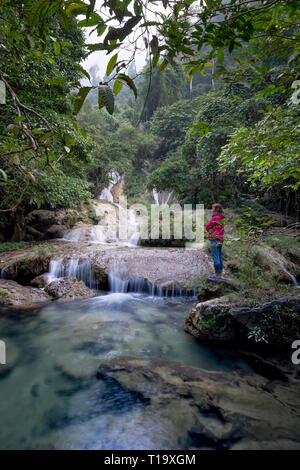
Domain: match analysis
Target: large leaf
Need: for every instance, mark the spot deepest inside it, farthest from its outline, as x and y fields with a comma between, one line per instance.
x=122, y=33
x=111, y=64
x=106, y=98
x=83, y=71
x=56, y=47
x=154, y=45
x=128, y=81
x=117, y=87
x=80, y=98
x=76, y=8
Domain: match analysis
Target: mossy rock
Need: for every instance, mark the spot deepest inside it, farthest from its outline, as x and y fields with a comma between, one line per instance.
x=213, y=288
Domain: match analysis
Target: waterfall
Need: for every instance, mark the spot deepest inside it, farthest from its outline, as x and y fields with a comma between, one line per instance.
x=119, y=284
x=280, y=262
x=81, y=269
x=2, y=274
x=162, y=197
x=155, y=196
x=106, y=194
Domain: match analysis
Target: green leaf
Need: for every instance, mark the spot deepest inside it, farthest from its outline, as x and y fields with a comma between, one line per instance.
x=155, y=60
x=163, y=65
x=64, y=19
x=56, y=81
x=177, y=8
x=106, y=98
x=154, y=45
x=80, y=98
x=76, y=8
x=220, y=55
x=128, y=81
x=117, y=87
x=100, y=29
x=83, y=71
x=56, y=47
x=111, y=64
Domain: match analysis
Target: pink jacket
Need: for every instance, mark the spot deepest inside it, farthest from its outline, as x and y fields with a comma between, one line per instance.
x=215, y=228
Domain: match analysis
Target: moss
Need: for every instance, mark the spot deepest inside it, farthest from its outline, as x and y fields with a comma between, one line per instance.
x=10, y=246
x=70, y=219
x=218, y=318
x=92, y=216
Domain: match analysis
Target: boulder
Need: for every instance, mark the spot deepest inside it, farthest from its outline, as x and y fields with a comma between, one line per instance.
x=69, y=288
x=200, y=409
x=211, y=322
x=212, y=288
x=40, y=281
x=274, y=324
x=27, y=265
x=56, y=231
x=42, y=216
x=15, y=295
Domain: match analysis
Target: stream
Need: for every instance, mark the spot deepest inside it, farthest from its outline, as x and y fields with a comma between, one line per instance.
x=51, y=398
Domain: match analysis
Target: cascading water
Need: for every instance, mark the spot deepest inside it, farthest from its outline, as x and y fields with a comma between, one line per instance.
x=119, y=284
x=281, y=264
x=106, y=195
x=162, y=197
x=81, y=269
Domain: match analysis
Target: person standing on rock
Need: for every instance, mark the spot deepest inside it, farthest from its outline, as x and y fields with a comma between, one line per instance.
x=215, y=228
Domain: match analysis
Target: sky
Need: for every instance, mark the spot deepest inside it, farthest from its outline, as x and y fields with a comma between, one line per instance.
x=100, y=58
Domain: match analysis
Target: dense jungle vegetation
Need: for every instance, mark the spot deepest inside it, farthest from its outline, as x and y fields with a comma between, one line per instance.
x=213, y=116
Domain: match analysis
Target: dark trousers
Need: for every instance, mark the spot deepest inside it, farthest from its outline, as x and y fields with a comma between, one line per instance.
x=216, y=251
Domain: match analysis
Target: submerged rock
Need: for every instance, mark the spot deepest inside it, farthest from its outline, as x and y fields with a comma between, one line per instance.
x=69, y=288
x=77, y=365
x=15, y=295
x=216, y=410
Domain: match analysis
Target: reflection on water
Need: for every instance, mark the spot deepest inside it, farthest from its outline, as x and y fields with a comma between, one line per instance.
x=50, y=397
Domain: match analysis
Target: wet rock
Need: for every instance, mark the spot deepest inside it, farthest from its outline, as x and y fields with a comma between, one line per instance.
x=69, y=288
x=156, y=265
x=15, y=295
x=217, y=410
x=40, y=281
x=24, y=265
x=210, y=321
x=212, y=288
x=56, y=231
x=273, y=324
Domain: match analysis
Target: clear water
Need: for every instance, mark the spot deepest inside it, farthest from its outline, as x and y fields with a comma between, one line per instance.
x=48, y=400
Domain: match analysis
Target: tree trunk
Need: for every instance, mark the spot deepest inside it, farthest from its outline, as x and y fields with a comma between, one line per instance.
x=18, y=225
